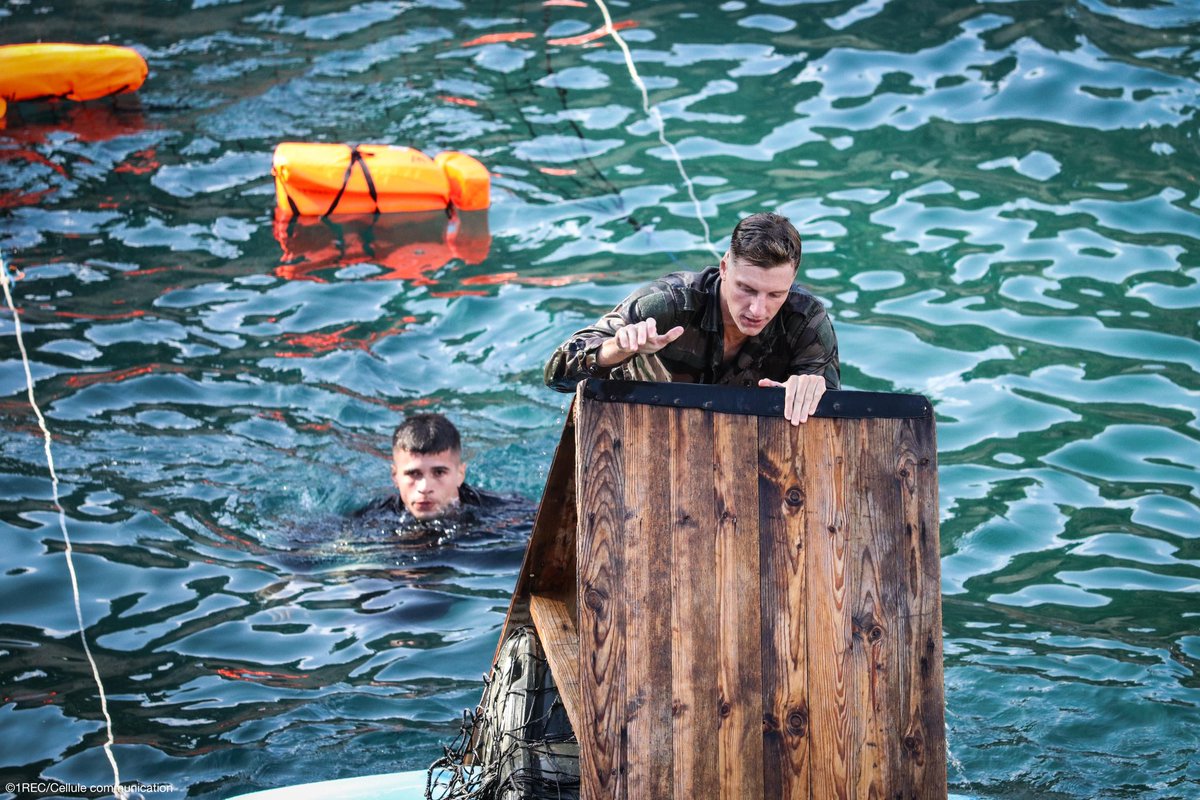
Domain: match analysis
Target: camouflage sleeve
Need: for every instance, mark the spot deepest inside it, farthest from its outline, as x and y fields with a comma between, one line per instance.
x=575, y=359
x=815, y=351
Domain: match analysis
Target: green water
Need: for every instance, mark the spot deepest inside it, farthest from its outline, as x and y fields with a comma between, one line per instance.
x=1000, y=208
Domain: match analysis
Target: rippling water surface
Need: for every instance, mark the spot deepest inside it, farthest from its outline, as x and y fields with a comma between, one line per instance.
x=1000, y=207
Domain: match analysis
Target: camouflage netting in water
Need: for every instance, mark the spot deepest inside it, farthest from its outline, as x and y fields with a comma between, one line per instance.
x=519, y=742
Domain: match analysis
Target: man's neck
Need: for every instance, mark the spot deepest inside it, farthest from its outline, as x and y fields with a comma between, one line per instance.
x=732, y=339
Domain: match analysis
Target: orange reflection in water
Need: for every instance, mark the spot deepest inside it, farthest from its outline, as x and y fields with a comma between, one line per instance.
x=30, y=125
x=257, y=675
x=407, y=246
x=586, y=38
x=95, y=121
x=494, y=38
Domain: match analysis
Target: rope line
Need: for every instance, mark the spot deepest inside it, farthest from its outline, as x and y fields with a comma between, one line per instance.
x=118, y=791
x=653, y=113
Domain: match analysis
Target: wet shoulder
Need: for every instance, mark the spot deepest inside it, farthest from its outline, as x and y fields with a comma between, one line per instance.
x=674, y=298
x=802, y=305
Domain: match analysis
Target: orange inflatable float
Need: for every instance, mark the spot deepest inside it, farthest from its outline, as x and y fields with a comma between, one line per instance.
x=314, y=179
x=68, y=71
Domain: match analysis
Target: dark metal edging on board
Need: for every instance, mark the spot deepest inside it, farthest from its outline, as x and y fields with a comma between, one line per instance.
x=755, y=401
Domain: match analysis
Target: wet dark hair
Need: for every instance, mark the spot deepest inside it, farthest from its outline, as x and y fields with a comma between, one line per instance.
x=766, y=240
x=425, y=434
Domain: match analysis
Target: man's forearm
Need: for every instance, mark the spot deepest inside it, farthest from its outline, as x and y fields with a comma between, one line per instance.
x=572, y=362
x=576, y=359
x=609, y=354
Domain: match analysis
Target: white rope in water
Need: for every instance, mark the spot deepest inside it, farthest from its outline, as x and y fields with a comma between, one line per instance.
x=118, y=791
x=653, y=113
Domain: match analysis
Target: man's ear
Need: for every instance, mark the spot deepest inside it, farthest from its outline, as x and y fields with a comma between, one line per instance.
x=462, y=472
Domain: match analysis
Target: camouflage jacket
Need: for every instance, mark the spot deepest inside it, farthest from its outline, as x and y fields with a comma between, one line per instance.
x=798, y=341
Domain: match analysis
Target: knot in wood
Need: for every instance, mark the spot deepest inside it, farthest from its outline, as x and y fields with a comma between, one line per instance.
x=924, y=462
x=832, y=529
x=797, y=722
x=903, y=472
x=913, y=745
x=595, y=599
x=770, y=723
x=725, y=709
x=794, y=497
x=875, y=634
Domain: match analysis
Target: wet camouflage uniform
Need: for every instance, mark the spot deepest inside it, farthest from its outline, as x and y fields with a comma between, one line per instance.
x=798, y=341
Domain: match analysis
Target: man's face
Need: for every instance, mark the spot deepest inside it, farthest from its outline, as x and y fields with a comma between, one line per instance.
x=428, y=483
x=751, y=296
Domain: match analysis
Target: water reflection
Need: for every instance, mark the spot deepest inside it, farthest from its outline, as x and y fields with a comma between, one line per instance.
x=405, y=246
x=999, y=208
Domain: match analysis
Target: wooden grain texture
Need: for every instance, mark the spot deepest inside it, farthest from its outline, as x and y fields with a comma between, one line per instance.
x=739, y=625
x=782, y=520
x=827, y=610
x=648, y=560
x=923, y=752
x=560, y=642
x=876, y=606
x=694, y=592
x=601, y=604
x=551, y=556
x=758, y=606
x=549, y=562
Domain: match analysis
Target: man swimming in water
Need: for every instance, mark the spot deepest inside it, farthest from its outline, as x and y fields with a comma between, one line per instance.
x=429, y=473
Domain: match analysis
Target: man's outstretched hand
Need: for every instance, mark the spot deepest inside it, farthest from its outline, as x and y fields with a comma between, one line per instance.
x=801, y=394
x=640, y=337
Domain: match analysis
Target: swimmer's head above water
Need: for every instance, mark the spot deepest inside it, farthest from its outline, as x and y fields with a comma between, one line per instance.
x=427, y=465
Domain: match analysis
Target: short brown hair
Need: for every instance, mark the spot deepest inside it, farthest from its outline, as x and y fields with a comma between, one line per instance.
x=425, y=434
x=766, y=240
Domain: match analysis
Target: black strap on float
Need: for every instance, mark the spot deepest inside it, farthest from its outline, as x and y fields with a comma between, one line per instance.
x=291, y=203
x=295, y=217
x=355, y=158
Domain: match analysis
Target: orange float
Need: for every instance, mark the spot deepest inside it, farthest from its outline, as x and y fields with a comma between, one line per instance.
x=314, y=179
x=68, y=71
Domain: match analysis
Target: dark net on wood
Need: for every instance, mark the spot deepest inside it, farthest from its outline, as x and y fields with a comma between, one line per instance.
x=518, y=743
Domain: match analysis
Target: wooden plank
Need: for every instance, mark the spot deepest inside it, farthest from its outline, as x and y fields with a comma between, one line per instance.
x=739, y=625
x=648, y=563
x=560, y=642
x=549, y=566
x=549, y=559
x=549, y=562
x=693, y=583
x=601, y=606
x=827, y=610
x=876, y=556
x=782, y=514
x=923, y=753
